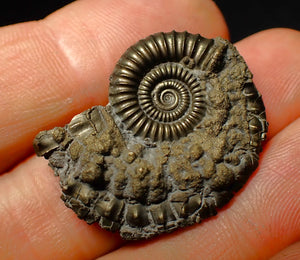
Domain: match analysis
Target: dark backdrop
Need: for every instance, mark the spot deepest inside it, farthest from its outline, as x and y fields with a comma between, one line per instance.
x=243, y=17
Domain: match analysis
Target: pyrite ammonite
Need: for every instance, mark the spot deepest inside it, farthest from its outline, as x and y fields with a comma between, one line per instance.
x=181, y=133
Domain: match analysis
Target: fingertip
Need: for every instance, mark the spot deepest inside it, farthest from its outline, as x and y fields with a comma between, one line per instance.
x=291, y=252
x=212, y=16
x=272, y=56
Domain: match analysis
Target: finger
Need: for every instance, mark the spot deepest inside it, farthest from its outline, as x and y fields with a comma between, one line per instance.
x=53, y=69
x=273, y=57
x=70, y=237
x=292, y=252
x=261, y=220
x=37, y=225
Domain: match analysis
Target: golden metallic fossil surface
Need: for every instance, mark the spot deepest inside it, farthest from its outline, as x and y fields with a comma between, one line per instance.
x=181, y=133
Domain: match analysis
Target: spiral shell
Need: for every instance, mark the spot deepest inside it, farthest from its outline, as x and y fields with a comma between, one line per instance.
x=180, y=136
x=154, y=89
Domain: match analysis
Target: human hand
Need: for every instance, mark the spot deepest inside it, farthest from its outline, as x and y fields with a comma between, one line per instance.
x=55, y=68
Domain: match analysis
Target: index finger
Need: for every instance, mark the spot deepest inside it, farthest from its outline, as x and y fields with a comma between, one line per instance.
x=73, y=73
x=53, y=69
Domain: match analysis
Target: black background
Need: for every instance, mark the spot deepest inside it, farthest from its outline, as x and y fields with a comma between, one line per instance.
x=243, y=17
x=247, y=17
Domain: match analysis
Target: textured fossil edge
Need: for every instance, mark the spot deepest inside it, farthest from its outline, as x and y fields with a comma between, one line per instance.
x=83, y=189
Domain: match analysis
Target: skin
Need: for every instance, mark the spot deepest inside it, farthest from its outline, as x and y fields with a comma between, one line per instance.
x=52, y=69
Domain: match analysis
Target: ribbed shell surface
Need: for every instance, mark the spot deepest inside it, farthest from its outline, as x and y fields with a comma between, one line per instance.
x=153, y=89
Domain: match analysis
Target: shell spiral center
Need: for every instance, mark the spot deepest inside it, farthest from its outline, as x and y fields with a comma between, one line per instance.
x=170, y=100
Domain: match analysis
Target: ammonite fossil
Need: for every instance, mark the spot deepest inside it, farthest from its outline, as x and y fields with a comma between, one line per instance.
x=181, y=133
